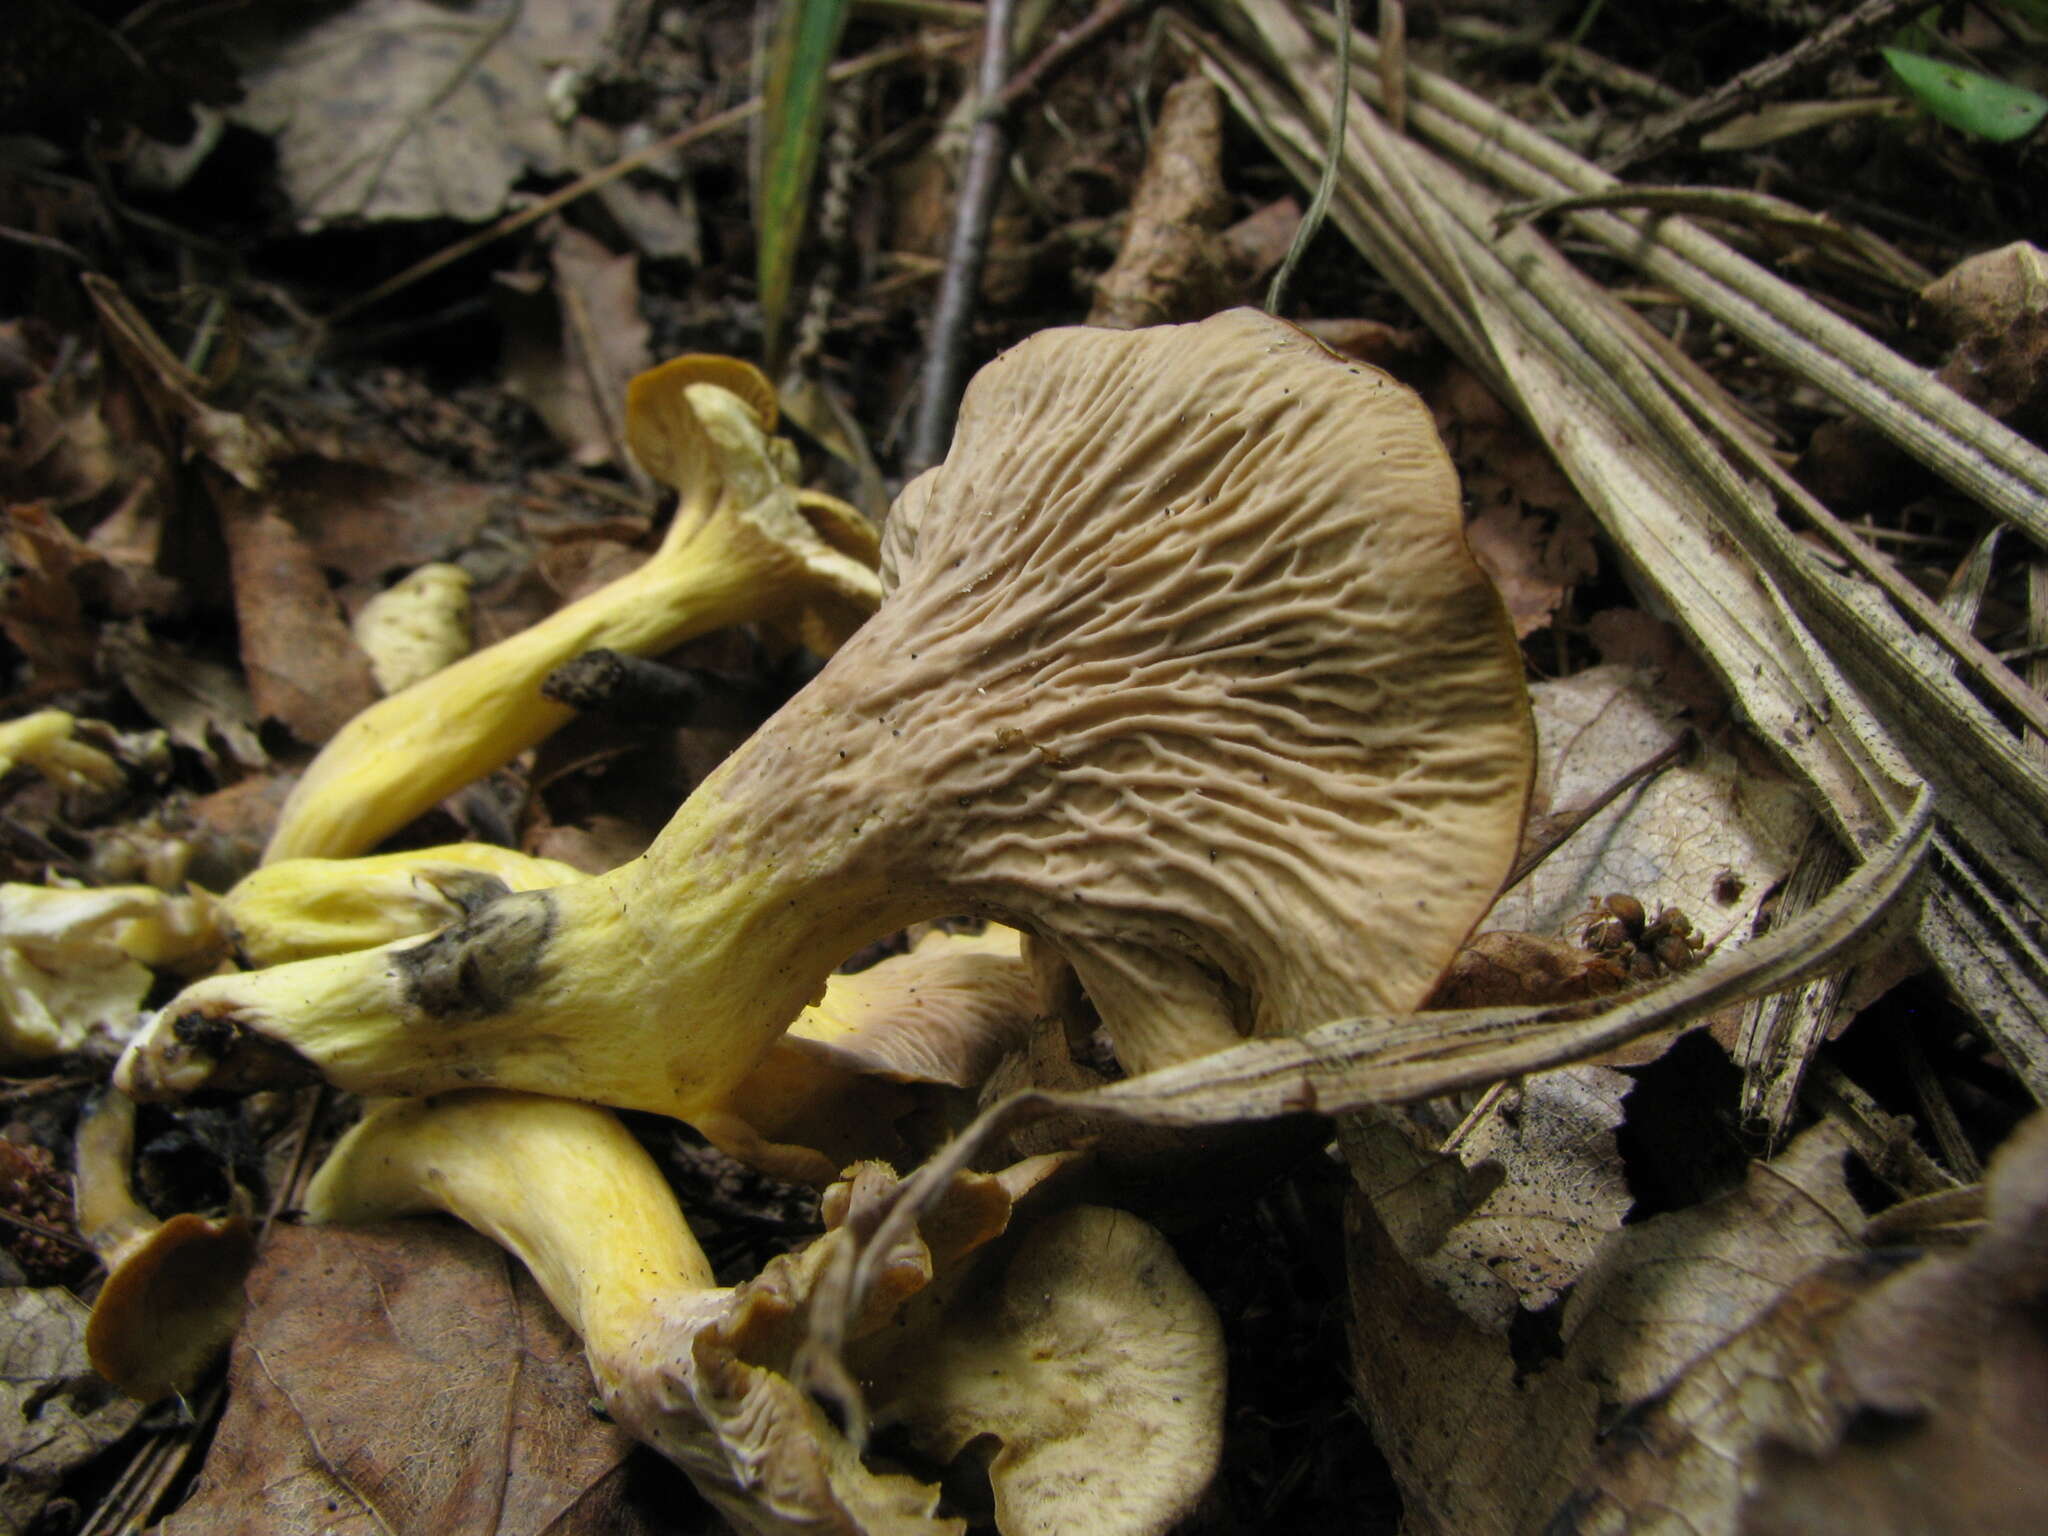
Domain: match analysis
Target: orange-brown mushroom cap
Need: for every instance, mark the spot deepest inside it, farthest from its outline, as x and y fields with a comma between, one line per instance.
x=173, y=1294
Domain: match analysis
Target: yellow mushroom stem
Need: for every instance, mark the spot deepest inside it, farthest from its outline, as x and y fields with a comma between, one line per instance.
x=561, y=1185
x=46, y=742
x=173, y=1294
x=745, y=545
x=296, y=909
x=1083, y=1350
x=826, y=1095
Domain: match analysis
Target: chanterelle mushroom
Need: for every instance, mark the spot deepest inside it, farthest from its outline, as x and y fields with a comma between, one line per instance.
x=828, y=1093
x=745, y=544
x=1188, y=672
x=1083, y=1349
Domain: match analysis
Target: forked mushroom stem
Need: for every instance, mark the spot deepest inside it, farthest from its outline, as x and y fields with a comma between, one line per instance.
x=940, y=1015
x=745, y=545
x=628, y=989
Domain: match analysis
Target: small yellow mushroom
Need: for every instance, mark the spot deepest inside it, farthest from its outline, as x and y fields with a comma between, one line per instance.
x=745, y=545
x=46, y=742
x=412, y=630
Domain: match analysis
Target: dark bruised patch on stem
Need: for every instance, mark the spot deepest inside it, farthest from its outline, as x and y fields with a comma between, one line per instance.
x=470, y=889
x=482, y=964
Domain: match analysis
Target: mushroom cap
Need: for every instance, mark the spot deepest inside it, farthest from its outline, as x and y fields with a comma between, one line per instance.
x=172, y=1301
x=1096, y=1362
x=173, y=1294
x=945, y=1011
x=1187, y=669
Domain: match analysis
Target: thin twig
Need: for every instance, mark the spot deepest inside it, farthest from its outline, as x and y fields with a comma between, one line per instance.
x=625, y=165
x=1480, y=1113
x=1936, y=1112
x=156, y=1465
x=37, y=242
x=1393, y=65
x=1333, y=156
x=1734, y=203
x=1648, y=768
x=1063, y=50
x=49, y=1234
x=988, y=147
x=1838, y=37
x=1597, y=68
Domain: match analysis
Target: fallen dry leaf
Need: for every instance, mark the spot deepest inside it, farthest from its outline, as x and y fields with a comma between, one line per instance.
x=402, y=109
x=1503, y=969
x=1484, y=1440
x=44, y=614
x=367, y=521
x=303, y=665
x=1890, y=1393
x=1563, y=1190
x=408, y=1378
x=55, y=1415
x=1935, y=1388
x=1529, y=530
x=1534, y=559
x=571, y=356
x=1710, y=836
x=197, y=702
x=173, y=396
x=57, y=446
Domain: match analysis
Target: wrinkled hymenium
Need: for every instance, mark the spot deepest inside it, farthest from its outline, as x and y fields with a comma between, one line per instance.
x=1187, y=670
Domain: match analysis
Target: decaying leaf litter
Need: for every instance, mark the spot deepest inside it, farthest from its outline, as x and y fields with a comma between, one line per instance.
x=1776, y=601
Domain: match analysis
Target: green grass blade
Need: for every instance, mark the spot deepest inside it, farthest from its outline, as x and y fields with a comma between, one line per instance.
x=805, y=38
x=1964, y=99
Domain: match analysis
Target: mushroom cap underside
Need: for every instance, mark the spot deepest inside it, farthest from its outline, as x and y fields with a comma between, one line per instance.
x=1187, y=669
